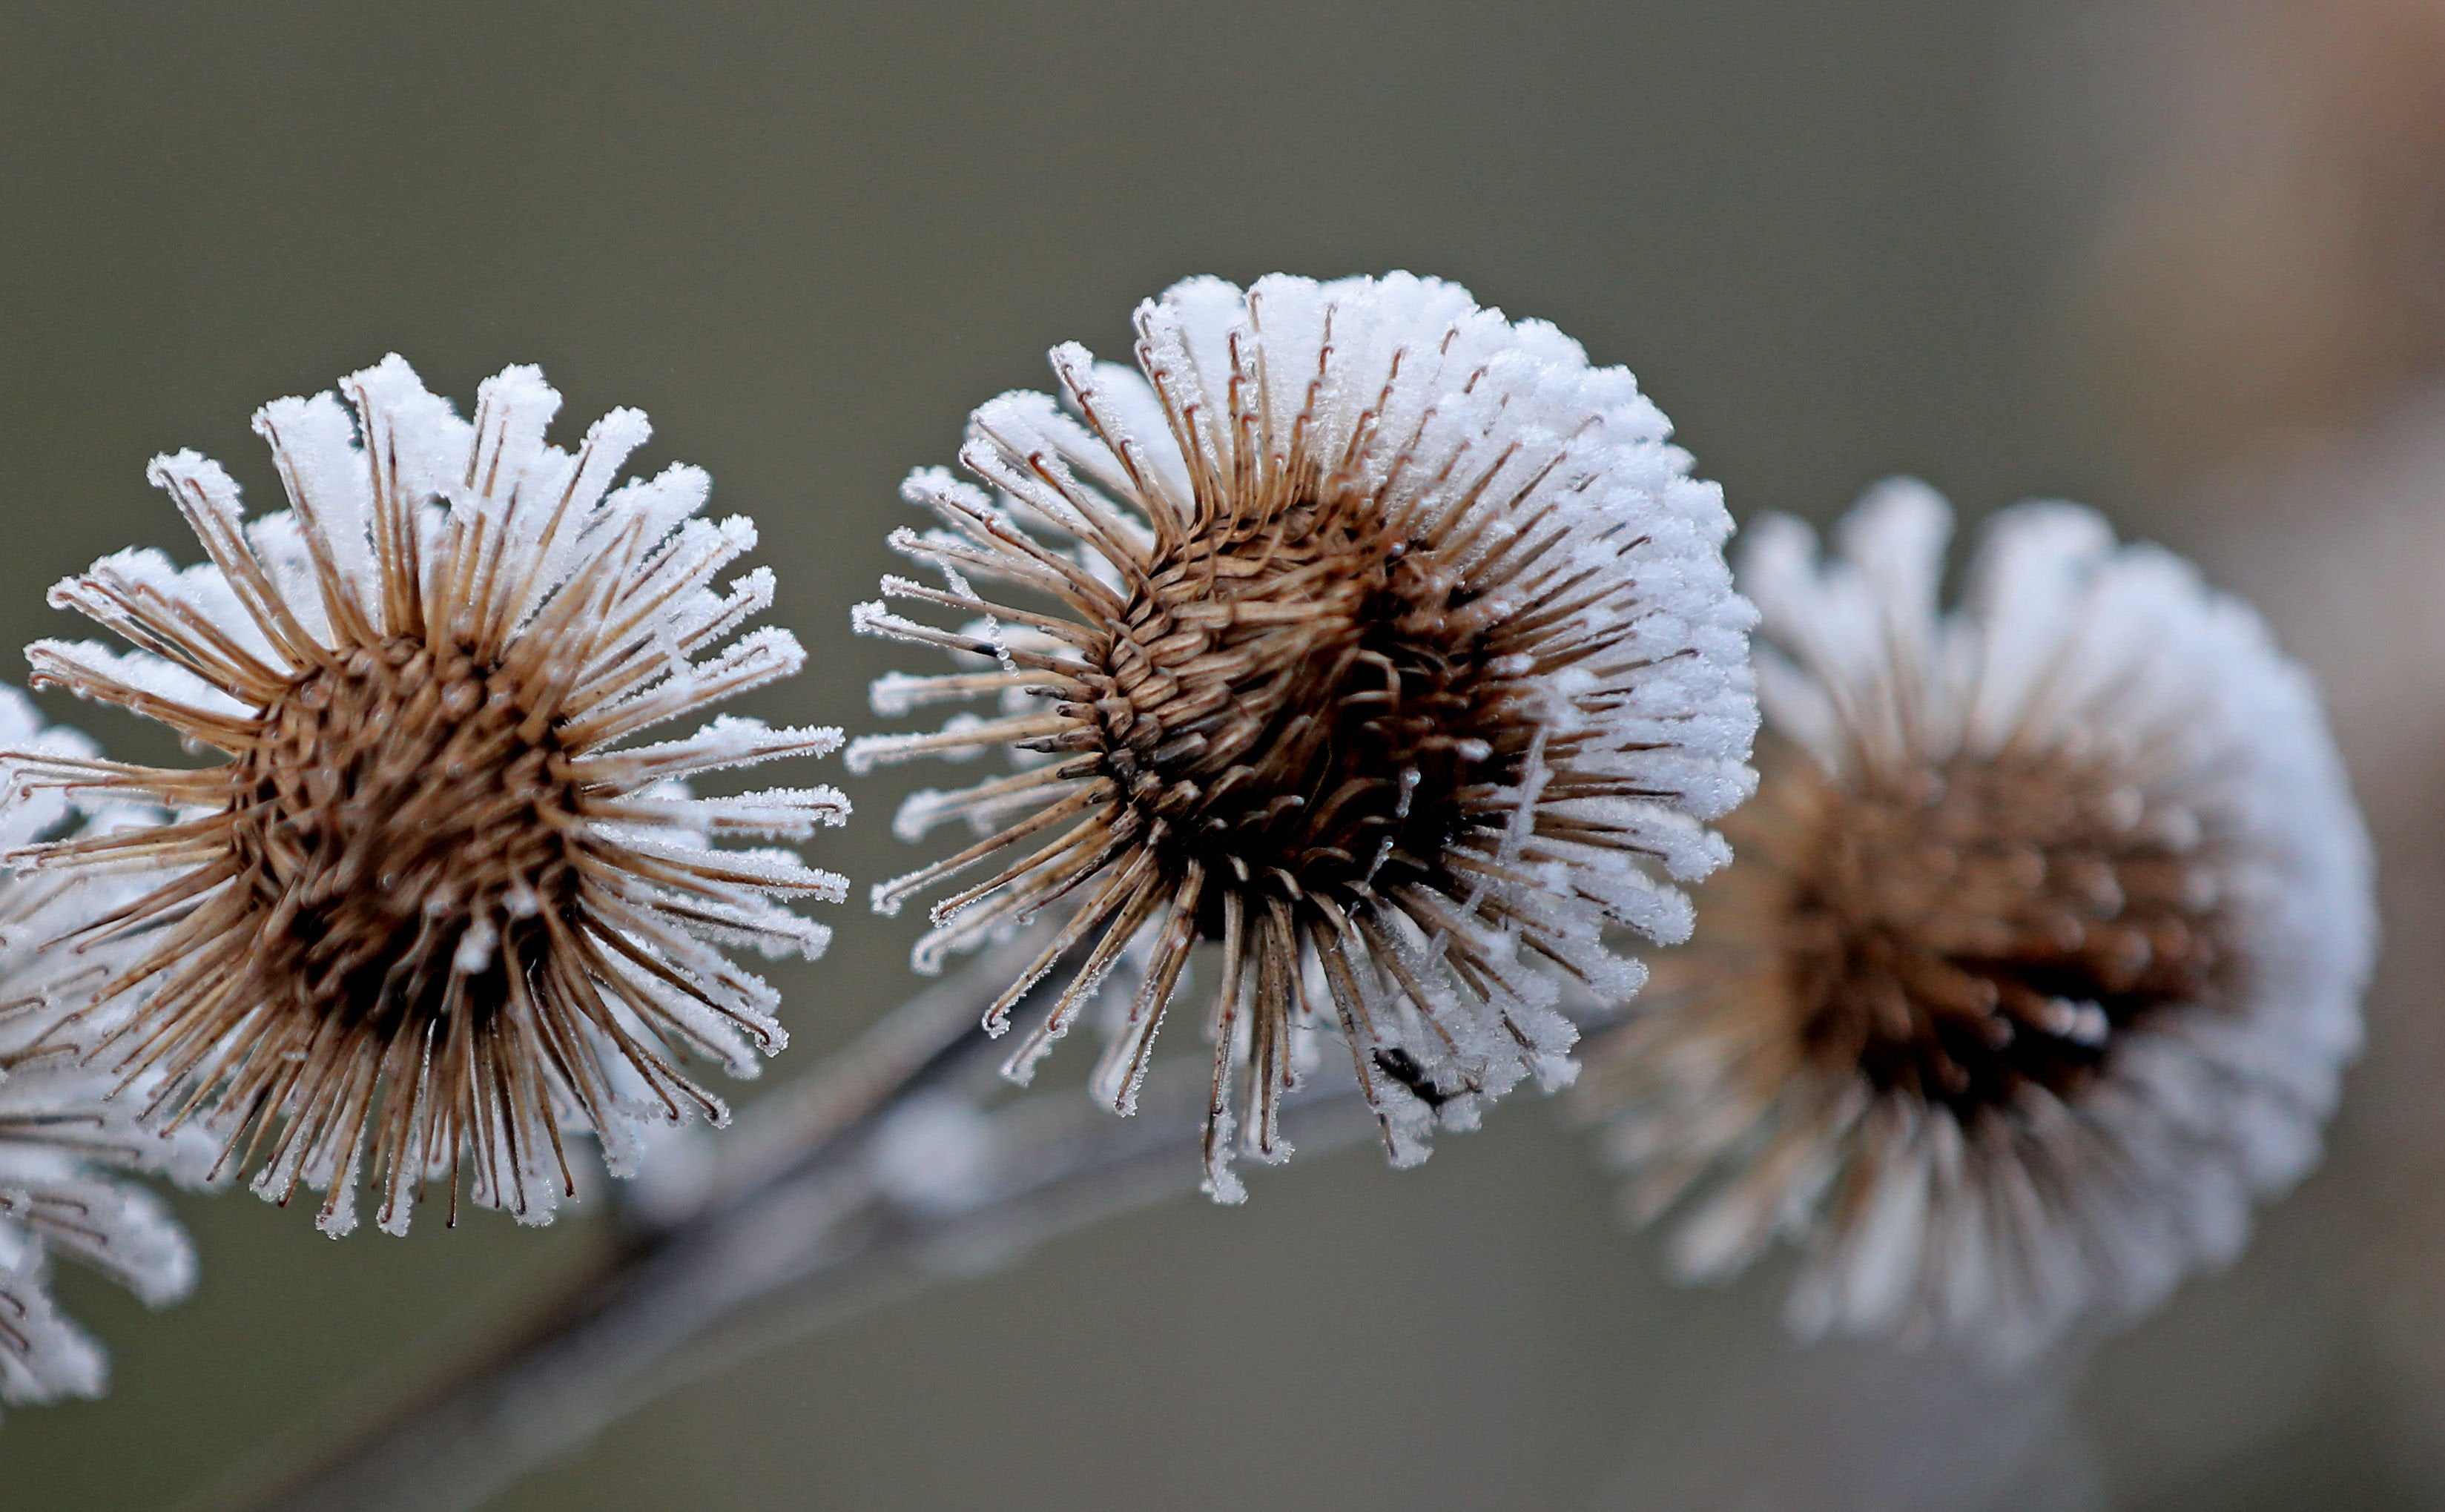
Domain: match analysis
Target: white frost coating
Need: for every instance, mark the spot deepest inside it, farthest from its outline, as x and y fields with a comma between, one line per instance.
x=601, y=600
x=61, y=1133
x=1589, y=558
x=149, y=681
x=2000, y=1226
x=728, y=741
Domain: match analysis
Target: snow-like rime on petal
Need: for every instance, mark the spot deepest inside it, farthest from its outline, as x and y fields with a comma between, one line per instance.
x=2045, y=948
x=1366, y=636
x=64, y=1137
x=434, y=912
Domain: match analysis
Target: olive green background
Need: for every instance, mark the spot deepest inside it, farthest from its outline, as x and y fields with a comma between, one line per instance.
x=805, y=239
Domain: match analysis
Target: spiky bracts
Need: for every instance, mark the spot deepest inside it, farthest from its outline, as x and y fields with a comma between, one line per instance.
x=1371, y=636
x=435, y=910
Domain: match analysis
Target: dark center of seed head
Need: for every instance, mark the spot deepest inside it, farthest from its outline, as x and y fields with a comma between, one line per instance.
x=1969, y=929
x=393, y=806
x=1291, y=702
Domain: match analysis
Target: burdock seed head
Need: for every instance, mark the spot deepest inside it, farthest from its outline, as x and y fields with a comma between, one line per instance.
x=1372, y=636
x=64, y=1140
x=435, y=910
x=2043, y=953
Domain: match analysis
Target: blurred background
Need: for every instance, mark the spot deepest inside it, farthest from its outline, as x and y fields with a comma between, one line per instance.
x=2184, y=259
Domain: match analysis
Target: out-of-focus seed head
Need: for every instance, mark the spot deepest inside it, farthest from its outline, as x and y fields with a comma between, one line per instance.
x=2043, y=952
x=65, y=1141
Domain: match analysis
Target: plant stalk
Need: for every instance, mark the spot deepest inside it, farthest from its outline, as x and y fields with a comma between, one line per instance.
x=797, y=1225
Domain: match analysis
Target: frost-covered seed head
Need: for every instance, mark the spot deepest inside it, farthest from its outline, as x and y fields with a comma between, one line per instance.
x=2044, y=949
x=62, y=1134
x=1367, y=634
x=435, y=908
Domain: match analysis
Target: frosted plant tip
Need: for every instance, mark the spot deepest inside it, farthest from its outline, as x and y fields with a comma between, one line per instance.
x=1369, y=640
x=2043, y=949
x=435, y=906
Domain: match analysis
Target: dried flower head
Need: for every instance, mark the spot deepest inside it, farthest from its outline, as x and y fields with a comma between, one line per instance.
x=59, y=1130
x=1375, y=637
x=2045, y=947
x=433, y=908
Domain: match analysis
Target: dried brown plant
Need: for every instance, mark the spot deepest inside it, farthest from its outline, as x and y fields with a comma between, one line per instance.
x=1394, y=652
x=432, y=910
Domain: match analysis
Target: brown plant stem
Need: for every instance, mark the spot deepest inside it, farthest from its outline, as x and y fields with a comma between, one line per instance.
x=794, y=1231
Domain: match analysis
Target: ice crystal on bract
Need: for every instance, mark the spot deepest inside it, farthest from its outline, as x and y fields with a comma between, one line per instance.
x=434, y=910
x=59, y=1130
x=1366, y=632
x=2043, y=952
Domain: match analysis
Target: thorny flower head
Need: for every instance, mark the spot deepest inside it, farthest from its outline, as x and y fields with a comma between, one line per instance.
x=2045, y=947
x=435, y=909
x=59, y=1129
x=1371, y=635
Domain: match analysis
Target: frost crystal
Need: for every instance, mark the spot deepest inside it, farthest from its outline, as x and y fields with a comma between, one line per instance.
x=1367, y=634
x=434, y=900
x=2043, y=950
